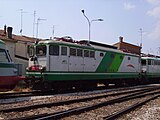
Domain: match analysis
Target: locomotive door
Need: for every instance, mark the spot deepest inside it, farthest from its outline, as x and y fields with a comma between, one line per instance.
x=58, y=58
x=76, y=60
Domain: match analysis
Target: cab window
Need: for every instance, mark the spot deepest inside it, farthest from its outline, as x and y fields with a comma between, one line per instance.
x=41, y=50
x=3, y=56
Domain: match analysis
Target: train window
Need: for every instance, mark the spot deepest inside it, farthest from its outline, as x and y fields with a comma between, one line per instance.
x=79, y=52
x=72, y=52
x=92, y=54
x=86, y=53
x=64, y=51
x=41, y=50
x=143, y=62
x=101, y=54
x=149, y=62
x=54, y=50
x=129, y=58
x=3, y=56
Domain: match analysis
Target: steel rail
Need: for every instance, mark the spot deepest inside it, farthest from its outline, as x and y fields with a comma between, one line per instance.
x=128, y=109
x=65, y=102
x=79, y=110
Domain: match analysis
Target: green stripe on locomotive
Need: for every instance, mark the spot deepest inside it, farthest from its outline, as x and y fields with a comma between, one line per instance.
x=110, y=63
x=56, y=76
x=7, y=65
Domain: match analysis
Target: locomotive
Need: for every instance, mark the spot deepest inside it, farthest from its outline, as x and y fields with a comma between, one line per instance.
x=63, y=63
x=8, y=71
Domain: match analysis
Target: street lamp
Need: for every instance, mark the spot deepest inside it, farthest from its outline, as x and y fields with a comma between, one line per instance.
x=89, y=23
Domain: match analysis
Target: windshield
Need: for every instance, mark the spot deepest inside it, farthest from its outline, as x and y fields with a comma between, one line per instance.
x=41, y=50
x=3, y=56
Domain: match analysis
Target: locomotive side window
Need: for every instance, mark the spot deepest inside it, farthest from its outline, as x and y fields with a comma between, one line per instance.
x=92, y=54
x=101, y=54
x=72, y=52
x=149, y=62
x=86, y=53
x=41, y=50
x=143, y=62
x=79, y=52
x=129, y=58
x=3, y=56
x=54, y=50
x=64, y=51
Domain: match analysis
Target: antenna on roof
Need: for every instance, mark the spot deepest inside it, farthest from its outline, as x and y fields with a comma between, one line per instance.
x=53, y=30
x=141, y=34
x=21, y=10
x=39, y=19
x=34, y=18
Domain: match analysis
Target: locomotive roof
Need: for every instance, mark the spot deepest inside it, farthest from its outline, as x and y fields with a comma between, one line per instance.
x=150, y=58
x=83, y=44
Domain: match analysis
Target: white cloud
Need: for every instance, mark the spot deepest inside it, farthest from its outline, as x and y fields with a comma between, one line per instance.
x=129, y=6
x=155, y=12
x=155, y=33
x=154, y=2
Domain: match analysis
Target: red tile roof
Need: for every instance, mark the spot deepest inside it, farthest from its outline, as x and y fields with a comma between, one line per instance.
x=16, y=38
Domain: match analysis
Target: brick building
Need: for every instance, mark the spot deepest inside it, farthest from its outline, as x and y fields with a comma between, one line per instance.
x=127, y=47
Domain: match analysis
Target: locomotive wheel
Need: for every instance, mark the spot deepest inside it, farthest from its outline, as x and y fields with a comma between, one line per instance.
x=46, y=86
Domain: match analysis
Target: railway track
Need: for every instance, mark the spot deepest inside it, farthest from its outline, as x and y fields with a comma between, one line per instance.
x=77, y=110
x=129, y=108
x=5, y=96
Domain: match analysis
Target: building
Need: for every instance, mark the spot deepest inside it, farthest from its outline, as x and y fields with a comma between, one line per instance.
x=127, y=47
x=17, y=46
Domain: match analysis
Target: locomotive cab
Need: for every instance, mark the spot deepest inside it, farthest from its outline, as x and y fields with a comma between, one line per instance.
x=37, y=61
x=144, y=65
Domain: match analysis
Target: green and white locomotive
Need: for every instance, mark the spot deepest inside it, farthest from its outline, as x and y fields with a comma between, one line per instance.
x=65, y=63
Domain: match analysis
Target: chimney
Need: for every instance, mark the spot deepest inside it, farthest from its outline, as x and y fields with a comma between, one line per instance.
x=5, y=29
x=121, y=39
x=9, y=31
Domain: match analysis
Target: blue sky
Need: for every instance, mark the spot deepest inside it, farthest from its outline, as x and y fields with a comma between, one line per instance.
x=121, y=18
